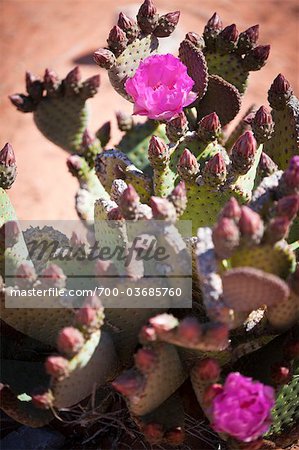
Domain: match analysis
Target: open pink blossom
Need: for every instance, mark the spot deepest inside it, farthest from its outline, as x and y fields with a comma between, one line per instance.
x=243, y=409
x=161, y=87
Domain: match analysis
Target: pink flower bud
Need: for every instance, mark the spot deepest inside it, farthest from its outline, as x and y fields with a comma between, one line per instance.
x=250, y=35
x=262, y=124
x=57, y=366
x=175, y=436
x=279, y=92
x=9, y=234
x=225, y=237
x=208, y=369
x=153, y=432
x=189, y=330
x=250, y=223
x=86, y=316
x=211, y=392
x=167, y=24
x=74, y=164
x=158, y=152
x=42, y=399
x=261, y=53
x=147, y=334
x=53, y=276
x=145, y=359
x=212, y=28
x=115, y=214
x=117, y=40
x=129, y=383
x=162, y=209
x=147, y=16
x=230, y=33
x=291, y=175
x=266, y=165
x=188, y=166
x=232, y=210
x=87, y=139
x=288, y=206
x=73, y=77
x=125, y=22
x=209, y=127
x=104, y=58
x=147, y=9
x=34, y=86
x=195, y=39
x=215, y=170
x=280, y=374
x=25, y=275
x=90, y=87
x=178, y=197
x=277, y=229
x=177, y=127
x=22, y=102
x=243, y=153
x=7, y=156
x=70, y=341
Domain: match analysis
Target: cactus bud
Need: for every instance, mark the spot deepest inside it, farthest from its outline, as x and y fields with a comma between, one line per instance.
x=279, y=92
x=225, y=237
x=158, y=152
x=195, y=39
x=9, y=234
x=280, y=374
x=104, y=268
x=104, y=58
x=262, y=124
x=209, y=127
x=208, y=370
x=114, y=214
x=104, y=134
x=189, y=330
x=75, y=163
x=243, y=153
x=266, y=165
x=147, y=334
x=215, y=170
x=129, y=202
x=167, y=24
x=227, y=38
x=117, y=40
x=177, y=127
x=175, y=436
x=163, y=323
x=53, y=276
x=34, y=86
x=147, y=17
x=250, y=224
x=72, y=80
x=90, y=87
x=22, y=102
x=129, y=383
x=231, y=210
x=257, y=57
x=178, y=197
x=70, y=341
x=42, y=399
x=145, y=359
x=153, y=432
x=210, y=393
x=288, y=206
x=290, y=177
x=8, y=167
x=124, y=121
x=188, y=166
x=86, y=316
x=129, y=26
x=25, y=275
x=162, y=209
x=57, y=366
x=51, y=82
x=248, y=39
x=277, y=229
x=212, y=29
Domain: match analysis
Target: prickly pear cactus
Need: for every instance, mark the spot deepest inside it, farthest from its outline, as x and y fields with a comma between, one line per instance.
x=58, y=106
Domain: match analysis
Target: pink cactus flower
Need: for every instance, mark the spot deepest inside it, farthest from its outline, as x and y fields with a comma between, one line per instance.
x=243, y=409
x=161, y=87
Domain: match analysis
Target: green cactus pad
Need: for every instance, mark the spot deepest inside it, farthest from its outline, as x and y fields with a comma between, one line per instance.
x=109, y=162
x=284, y=142
x=229, y=67
x=286, y=411
x=278, y=260
x=135, y=142
x=230, y=103
x=62, y=120
x=20, y=409
x=7, y=211
x=128, y=62
x=163, y=380
x=94, y=365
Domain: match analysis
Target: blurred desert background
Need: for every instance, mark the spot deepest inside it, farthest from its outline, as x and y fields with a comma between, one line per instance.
x=60, y=34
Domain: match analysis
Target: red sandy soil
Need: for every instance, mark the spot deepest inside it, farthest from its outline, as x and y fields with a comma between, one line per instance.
x=58, y=34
